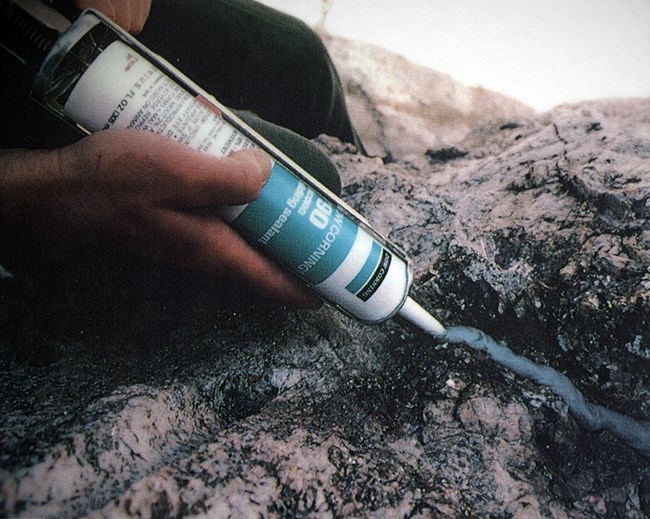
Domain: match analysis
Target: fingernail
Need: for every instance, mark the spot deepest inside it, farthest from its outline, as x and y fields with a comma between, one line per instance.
x=264, y=163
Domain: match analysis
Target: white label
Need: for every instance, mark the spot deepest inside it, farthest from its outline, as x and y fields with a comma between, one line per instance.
x=121, y=89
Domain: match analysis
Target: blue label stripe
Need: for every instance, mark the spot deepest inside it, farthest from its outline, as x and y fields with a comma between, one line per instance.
x=298, y=227
x=377, y=278
x=366, y=271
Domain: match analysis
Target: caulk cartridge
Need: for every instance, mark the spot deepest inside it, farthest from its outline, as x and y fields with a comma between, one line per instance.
x=96, y=76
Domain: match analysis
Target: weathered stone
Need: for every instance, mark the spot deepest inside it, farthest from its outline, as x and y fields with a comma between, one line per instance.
x=132, y=389
x=402, y=109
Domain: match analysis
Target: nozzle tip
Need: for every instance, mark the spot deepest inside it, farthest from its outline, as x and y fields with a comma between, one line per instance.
x=415, y=314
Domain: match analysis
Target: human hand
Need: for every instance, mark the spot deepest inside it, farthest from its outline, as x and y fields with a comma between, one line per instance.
x=128, y=14
x=148, y=194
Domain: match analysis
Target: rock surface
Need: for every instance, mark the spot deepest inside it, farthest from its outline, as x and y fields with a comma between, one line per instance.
x=137, y=390
x=402, y=109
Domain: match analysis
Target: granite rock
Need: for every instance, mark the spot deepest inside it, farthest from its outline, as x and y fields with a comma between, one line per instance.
x=402, y=108
x=132, y=389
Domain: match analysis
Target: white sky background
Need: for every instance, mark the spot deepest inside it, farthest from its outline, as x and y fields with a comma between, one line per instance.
x=542, y=52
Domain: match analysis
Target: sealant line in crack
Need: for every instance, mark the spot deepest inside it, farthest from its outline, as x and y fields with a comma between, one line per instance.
x=635, y=433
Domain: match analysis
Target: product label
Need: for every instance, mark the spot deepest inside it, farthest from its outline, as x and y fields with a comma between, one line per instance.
x=123, y=90
x=372, y=274
x=293, y=222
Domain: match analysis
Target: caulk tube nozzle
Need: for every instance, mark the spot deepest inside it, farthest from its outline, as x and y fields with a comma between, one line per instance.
x=415, y=314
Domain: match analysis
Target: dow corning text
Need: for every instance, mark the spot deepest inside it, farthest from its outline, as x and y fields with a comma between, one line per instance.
x=324, y=246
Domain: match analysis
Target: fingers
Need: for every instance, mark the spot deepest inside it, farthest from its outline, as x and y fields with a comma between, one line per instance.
x=105, y=7
x=131, y=15
x=139, y=12
x=164, y=172
x=206, y=180
x=210, y=245
x=143, y=190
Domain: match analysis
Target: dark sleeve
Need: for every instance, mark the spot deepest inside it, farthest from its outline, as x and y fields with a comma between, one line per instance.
x=252, y=57
x=248, y=56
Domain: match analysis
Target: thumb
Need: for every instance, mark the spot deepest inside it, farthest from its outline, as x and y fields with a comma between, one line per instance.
x=201, y=180
x=167, y=172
